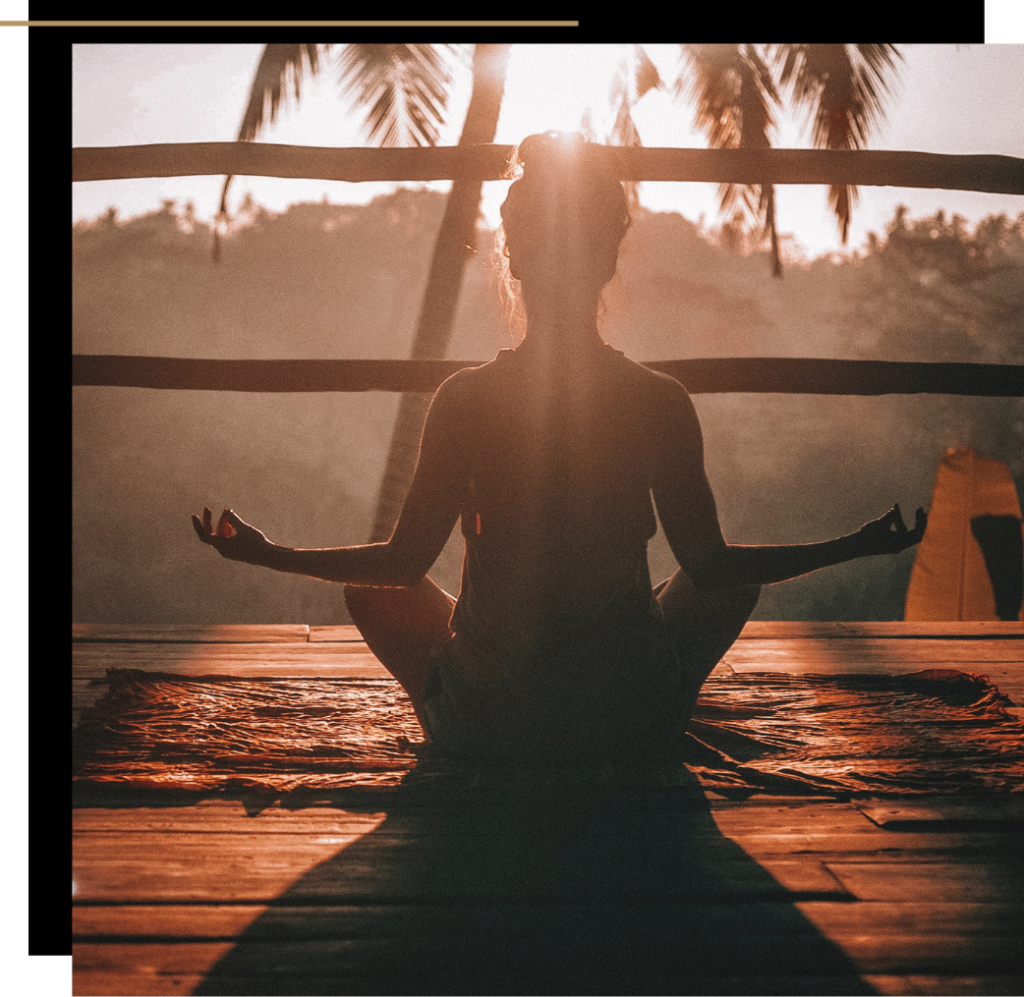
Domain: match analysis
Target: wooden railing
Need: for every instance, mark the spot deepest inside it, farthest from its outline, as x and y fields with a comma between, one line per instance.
x=747, y=374
x=994, y=174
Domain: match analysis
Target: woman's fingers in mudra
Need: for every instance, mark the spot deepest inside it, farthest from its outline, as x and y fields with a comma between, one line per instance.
x=233, y=538
x=889, y=534
x=204, y=527
x=909, y=537
x=893, y=520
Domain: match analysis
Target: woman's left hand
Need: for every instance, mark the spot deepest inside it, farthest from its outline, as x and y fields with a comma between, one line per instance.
x=889, y=534
x=233, y=538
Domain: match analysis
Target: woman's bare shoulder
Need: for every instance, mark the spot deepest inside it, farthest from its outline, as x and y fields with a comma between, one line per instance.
x=662, y=387
x=470, y=385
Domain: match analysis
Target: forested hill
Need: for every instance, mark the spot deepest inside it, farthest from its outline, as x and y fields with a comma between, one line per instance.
x=324, y=280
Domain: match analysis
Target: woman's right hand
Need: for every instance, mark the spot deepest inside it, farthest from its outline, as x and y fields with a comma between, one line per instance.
x=889, y=534
x=233, y=538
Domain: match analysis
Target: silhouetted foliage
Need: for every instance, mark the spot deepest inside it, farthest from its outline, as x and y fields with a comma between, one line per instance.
x=933, y=289
x=329, y=280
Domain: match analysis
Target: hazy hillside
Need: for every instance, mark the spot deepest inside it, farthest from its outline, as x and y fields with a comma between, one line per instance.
x=339, y=281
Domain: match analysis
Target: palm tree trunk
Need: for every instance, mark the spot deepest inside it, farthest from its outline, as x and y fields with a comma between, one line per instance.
x=455, y=243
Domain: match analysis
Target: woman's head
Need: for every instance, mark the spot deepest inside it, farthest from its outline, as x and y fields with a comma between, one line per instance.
x=564, y=219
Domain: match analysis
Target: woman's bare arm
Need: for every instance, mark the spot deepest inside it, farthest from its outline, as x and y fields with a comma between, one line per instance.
x=428, y=517
x=686, y=508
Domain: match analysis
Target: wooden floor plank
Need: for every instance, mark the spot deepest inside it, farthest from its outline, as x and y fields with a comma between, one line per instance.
x=952, y=882
x=980, y=811
x=138, y=959
x=690, y=956
x=334, y=633
x=188, y=633
x=206, y=922
x=882, y=649
x=366, y=667
x=889, y=846
x=242, y=660
x=907, y=629
x=526, y=955
x=130, y=982
x=340, y=942
x=837, y=921
x=211, y=867
x=190, y=867
x=953, y=985
x=754, y=629
x=223, y=816
x=916, y=918
x=143, y=652
x=787, y=816
x=917, y=894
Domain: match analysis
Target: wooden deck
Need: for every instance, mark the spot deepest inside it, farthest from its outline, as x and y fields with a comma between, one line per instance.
x=615, y=892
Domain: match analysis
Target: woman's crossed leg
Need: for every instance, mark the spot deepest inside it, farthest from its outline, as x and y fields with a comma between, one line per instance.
x=703, y=623
x=403, y=627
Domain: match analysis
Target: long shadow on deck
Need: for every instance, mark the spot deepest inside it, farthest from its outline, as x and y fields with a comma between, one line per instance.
x=516, y=892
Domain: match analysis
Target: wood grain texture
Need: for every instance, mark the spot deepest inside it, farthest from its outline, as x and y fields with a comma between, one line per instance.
x=952, y=985
x=905, y=629
x=335, y=633
x=327, y=660
x=712, y=375
x=185, y=867
x=283, y=633
x=981, y=812
x=833, y=653
x=758, y=896
x=757, y=629
x=212, y=922
x=1000, y=881
x=224, y=816
x=254, y=868
x=993, y=173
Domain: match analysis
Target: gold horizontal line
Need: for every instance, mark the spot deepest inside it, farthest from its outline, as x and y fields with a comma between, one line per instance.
x=291, y=24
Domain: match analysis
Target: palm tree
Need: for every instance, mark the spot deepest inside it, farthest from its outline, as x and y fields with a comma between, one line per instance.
x=404, y=89
x=735, y=88
x=456, y=241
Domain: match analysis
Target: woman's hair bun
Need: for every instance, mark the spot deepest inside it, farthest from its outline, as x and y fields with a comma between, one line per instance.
x=568, y=204
x=549, y=154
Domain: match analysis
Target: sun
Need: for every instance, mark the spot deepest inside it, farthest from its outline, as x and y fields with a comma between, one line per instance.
x=553, y=88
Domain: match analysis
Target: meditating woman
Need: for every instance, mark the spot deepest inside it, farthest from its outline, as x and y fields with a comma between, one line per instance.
x=557, y=645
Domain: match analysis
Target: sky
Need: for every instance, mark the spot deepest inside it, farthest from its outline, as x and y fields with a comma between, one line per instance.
x=946, y=99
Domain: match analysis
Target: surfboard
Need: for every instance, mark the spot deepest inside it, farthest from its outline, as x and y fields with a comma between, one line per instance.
x=970, y=563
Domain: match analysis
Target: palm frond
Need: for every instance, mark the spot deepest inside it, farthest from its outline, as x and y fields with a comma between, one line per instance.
x=280, y=68
x=636, y=76
x=735, y=97
x=845, y=87
x=403, y=89
x=646, y=76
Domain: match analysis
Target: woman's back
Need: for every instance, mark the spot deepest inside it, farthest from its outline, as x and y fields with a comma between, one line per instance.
x=556, y=606
x=557, y=507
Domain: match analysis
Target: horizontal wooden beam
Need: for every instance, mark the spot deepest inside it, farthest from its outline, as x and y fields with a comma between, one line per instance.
x=741, y=374
x=994, y=174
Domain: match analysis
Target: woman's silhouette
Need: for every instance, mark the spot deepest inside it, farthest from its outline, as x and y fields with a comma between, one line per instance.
x=551, y=455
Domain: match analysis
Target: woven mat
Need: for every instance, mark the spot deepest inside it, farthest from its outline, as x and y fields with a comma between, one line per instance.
x=933, y=732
